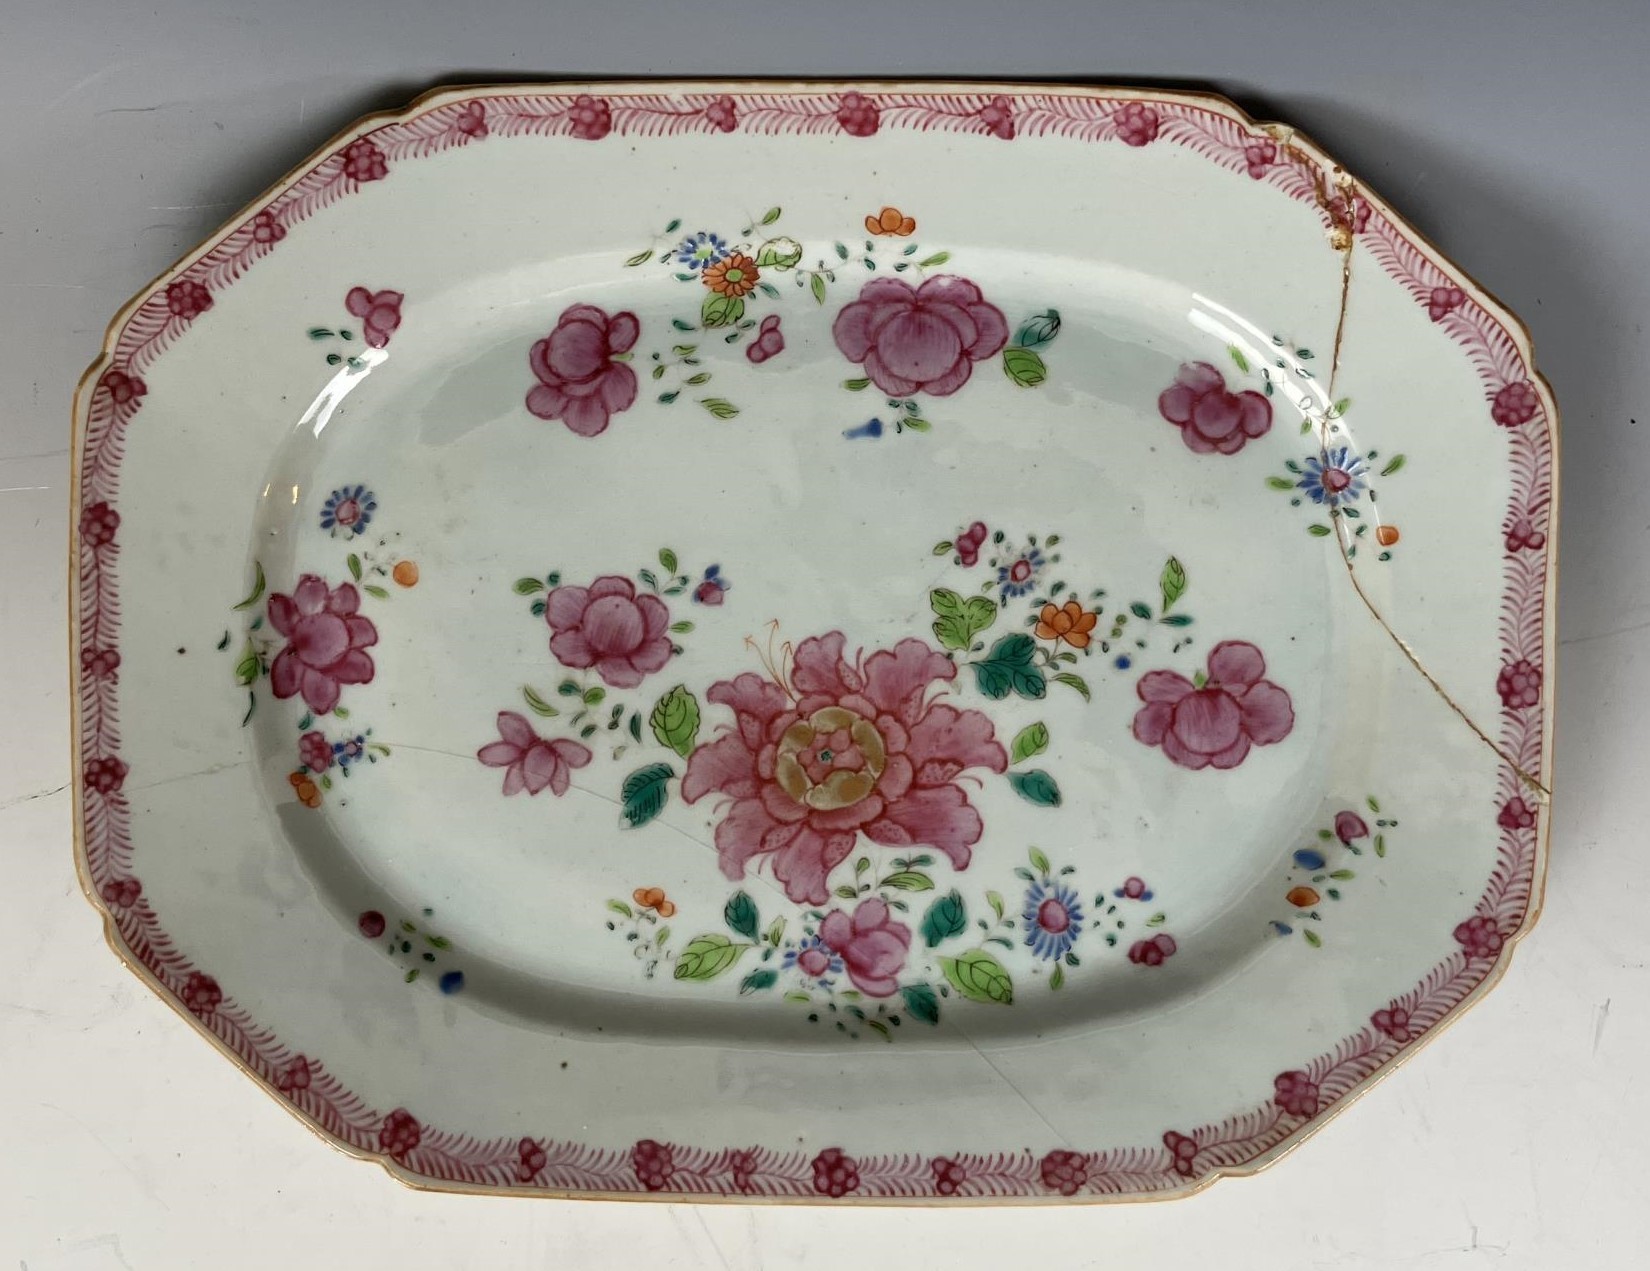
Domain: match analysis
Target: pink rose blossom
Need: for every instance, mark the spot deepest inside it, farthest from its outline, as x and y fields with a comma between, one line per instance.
x=722, y=114
x=1295, y=1093
x=1444, y=300
x=99, y=664
x=1479, y=936
x=949, y=1175
x=201, y=994
x=122, y=893
x=1153, y=952
x=768, y=341
x=920, y=339
x=853, y=748
x=1182, y=1152
x=123, y=388
x=653, y=1164
x=327, y=642
x=530, y=1159
x=1519, y=684
x=472, y=120
x=98, y=524
x=1210, y=418
x=266, y=228
x=105, y=775
x=187, y=299
x=315, y=752
x=1064, y=1172
x=1137, y=124
x=364, y=161
x=1258, y=156
x=1214, y=726
x=998, y=117
x=295, y=1076
x=580, y=383
x=835, y=1173
x=872, y=945
x=1515, y=404
x=1522, y=535
x=399, y=1133
x=858, y=114
x=606, y=625
x=1349, y=827
x=1394, y=1022
x=1516, y=815
x=379, y=311
x=1350, y=214
x=532, y=762
x=592, y=117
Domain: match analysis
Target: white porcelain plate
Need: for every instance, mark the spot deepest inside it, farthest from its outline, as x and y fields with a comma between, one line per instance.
x=912, y=641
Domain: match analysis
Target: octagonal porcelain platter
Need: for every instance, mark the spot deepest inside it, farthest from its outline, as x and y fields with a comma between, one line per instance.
x=889, y=642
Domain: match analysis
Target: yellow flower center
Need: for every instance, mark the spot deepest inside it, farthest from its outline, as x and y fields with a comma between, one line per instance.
x=816, y=769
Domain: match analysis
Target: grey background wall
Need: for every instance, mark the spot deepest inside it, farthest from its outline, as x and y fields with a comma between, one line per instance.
x=1511, y=132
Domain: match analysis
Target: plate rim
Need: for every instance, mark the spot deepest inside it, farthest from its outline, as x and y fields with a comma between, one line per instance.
x=1345, y=230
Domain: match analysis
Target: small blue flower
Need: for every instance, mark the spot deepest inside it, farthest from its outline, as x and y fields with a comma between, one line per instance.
x=1335, y=478
x=1053, y=918
x=710, y=589
x=350, y=750
x=700, y=251
x=1123, y=663
x=1019, y=576
x=348, y=510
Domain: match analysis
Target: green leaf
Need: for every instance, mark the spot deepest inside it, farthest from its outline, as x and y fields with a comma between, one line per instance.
x=946, y=917
x=1280, y=483
x=1380, y=845
x=410, y=976
x=1177, y=620
x=1038, y=331
x=667, y=558
x=645, y=793
x=1318, y=531
x=1341, y=875
x=662, y=936
x=1341, y=407
x=929, y=262
x=354, y=563
x=1312, y=937
x=758, y=980
x=377, y=592
x=769, y=217
x=845, y=892
x=1036, y=787
x=246, y=670
x=779, y=254
x=438, y=942
x=1030, y=740
x=913, y=424
x=527, y=586
x=817, y=286
x=979, y=977
x=619, y=907
x=721, y=311
x=1141, y=610
x=1039, y=861
x=257, y=587
x=1199, y=679
x=703, y=377
x=1073, y=680
x=1241, y=362
x=706, y=957
x=1393, y=465
x=856, y=385
x=594, y=696
x=921, y=1002
x=640, y=258
x=1007, y=669
x=908, y=880
x=1024, y=367
x=537, y=704
x=741, y=916
x=1172, y=583
x=675, y=720
x=1057, y=977
x=959, y=620
x=720, y=407
x=340, y=712
x=776, y=932
x=995, y=900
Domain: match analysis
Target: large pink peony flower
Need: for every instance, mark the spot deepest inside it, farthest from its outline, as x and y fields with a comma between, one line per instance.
x=1211, y=419
x=531, y=763
x=579, y=381
x=920, y=339
x=327, y=642
x=851, y=748
x=872, y=945
x=1214, y=726
x=608, y=626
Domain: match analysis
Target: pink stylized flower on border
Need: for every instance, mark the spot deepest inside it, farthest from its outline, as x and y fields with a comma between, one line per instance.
x=592, y=117
x=1515, y=404
x=1137, y=124
x=1393, y=1020
x=295, y=1076
x=835, y=1173
x=998, y=117
x=1522, y=535
x=581, y=382
x=1064, y=1171
x=1515, y=814
x=98, y=524
x=1443, y=301
x=187, y=299
x=1295, y=1093
x=1212, y=419
x=122, y=893
x=123, y=388
x=472, y=120
x=1258, y=156
x=399, y=1133
x=364, y=161
x=267, y=228
x=100, y=664
x=1214, y=725
x=848, y=748
x=106, y=774
x=858, y=114
x=1182, y=1152
x=920, y=339
x=327, y=642
x=722, y=114
x=1519, y=684
x=949, y=1175
x=1480, y=937
x=653, y=1163
x=201, y=994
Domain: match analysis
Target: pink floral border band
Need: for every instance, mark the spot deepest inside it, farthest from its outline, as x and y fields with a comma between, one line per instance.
x=1183, y=1157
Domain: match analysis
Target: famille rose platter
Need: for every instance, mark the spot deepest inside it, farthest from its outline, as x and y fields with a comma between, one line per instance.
x=898, y=642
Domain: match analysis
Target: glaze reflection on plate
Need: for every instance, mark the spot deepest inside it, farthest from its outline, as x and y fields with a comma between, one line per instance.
x=900, y=642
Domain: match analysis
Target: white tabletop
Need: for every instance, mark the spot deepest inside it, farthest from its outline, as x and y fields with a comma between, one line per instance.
x=1505, y=131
